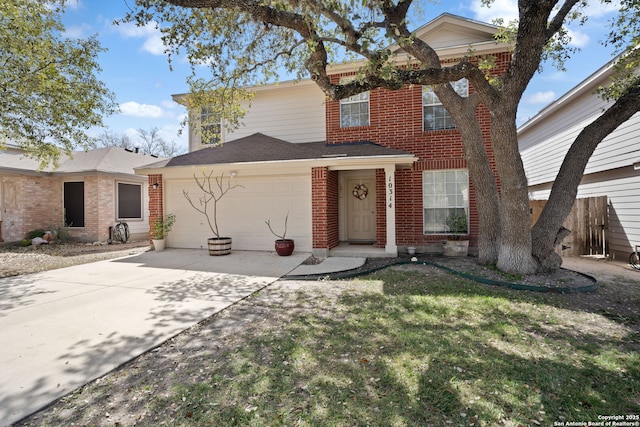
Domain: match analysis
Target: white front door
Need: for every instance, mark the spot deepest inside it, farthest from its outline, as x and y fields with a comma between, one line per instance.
x=361, y=209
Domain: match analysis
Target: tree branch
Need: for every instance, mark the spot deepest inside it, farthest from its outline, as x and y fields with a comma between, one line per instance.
x=558, y=20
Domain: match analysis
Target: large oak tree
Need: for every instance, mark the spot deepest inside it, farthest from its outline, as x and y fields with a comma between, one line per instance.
x=247, y=41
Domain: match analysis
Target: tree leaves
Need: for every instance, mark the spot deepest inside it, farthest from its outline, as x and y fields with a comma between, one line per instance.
x=50, y=91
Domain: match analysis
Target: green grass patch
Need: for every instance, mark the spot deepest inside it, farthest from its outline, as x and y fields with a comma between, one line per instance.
x=421, y=351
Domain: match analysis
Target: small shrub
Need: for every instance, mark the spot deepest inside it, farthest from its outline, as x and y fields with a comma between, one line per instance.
x=62, y=234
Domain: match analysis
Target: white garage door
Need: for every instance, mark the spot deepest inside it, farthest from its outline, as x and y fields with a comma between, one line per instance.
x=242, y=212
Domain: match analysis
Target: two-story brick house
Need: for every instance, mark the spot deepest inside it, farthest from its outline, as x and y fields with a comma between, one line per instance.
x=383, y=168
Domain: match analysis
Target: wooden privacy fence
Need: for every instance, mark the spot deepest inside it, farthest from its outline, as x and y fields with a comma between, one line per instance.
x=588, y=222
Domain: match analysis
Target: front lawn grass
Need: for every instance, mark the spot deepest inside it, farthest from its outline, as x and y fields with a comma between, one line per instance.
x=407, y=349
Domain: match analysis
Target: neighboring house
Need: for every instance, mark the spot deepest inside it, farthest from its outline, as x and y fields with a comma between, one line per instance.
x=94, y=189
x=613, y=170
x=383, y=167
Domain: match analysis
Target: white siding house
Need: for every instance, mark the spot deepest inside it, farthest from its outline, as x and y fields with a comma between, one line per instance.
x=291, y=111
x=613, y=170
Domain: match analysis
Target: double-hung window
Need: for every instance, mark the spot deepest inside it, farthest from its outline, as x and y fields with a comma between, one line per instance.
x=445, y=194
x=210, y=126
x=354, y=110
x=435, y=116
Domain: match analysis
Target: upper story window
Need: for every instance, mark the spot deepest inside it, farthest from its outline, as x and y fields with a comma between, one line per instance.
x=435, y=116
x=210, y=127
x=354, y=111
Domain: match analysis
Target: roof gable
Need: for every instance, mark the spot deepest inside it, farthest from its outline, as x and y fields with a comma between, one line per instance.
x=262, y=148
x=448, y=31
x=108, y=160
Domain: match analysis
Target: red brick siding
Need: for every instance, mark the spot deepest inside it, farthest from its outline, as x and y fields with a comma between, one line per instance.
x=396, y=122
x=324, y=186
x=156, y=207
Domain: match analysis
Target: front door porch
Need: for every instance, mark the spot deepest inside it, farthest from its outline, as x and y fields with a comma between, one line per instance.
x=352, y=207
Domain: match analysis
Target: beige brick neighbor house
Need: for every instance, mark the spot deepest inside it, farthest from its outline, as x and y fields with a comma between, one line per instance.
x=92, y=190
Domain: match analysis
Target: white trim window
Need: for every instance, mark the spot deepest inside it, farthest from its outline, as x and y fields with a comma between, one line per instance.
x=129, y=201
x=445, y=193
x=354, y=110
x=434, y=115
x=210, y=127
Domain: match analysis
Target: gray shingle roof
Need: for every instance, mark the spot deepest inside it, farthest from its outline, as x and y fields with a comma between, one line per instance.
x=262, y=148
x=107, y=160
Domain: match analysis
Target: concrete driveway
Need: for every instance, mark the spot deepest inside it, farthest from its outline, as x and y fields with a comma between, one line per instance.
x=63, y=328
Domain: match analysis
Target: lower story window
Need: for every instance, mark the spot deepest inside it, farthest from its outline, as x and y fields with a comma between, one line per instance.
x=74, y=203
x=445, y=200
x=129, y=201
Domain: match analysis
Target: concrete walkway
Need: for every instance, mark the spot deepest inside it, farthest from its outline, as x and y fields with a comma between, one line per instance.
x=63, y=328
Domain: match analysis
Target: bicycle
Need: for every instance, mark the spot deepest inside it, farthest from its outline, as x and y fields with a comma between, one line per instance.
x=634, y=258
x=121, y=232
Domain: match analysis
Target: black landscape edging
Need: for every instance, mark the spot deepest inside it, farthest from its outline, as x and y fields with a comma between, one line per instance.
x=350, y=274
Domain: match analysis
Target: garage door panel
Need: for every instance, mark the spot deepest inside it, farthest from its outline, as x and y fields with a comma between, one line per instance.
x=242, y=213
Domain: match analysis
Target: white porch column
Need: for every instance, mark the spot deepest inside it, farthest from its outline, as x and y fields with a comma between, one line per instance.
x=390, y=190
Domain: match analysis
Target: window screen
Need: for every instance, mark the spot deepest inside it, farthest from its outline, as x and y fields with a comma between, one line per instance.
x=129, y=201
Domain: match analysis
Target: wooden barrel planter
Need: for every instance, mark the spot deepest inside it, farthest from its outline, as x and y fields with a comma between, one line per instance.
x=284, y=247
x=219, y=246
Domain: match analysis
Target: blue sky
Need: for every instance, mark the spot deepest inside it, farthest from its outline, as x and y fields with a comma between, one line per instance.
x=136, y=69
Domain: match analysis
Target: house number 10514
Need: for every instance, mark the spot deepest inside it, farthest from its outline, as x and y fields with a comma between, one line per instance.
x=390, y=192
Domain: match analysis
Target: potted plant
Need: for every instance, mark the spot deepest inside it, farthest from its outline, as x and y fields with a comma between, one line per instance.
x=456, y=244
x=213, y=190
x=159, y=230
x=284, y=246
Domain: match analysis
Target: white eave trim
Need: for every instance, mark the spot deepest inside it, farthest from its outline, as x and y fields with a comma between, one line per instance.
x=330, y=162
x=446, y=53
x=587, y=85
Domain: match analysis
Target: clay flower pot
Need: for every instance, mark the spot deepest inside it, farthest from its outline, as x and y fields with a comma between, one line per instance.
x=284, y=247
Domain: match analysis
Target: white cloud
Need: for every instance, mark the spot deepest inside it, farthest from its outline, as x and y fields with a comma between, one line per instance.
x=132, y=134
x=579, y=39
x=506, y=9
x=135, y=109
x=598, y=9
x=72, y=4
x=150, y=33
x=169, y=105
x=130, y=30
x=154, y=45
x=540, y=97
x=77, y=31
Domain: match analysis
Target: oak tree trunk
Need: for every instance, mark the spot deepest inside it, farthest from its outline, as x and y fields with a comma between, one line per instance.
x=463, y=110
x=515, y=242
x=565, y=187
